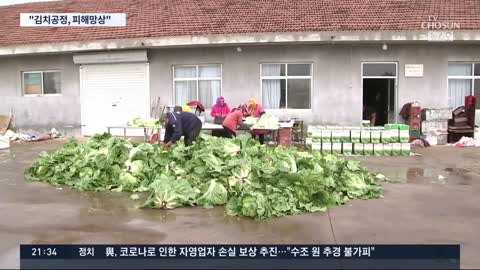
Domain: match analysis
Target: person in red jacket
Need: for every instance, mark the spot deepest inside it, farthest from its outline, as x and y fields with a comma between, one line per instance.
x=219, y=111
x=230, y=125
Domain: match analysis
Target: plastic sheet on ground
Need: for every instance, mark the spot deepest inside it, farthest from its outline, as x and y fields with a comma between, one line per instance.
x=421, y=142
x=467, y=142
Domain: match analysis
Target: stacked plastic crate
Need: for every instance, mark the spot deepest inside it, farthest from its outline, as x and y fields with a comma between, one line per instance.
x=435, y=125
x=414, y=121
x=391, y=140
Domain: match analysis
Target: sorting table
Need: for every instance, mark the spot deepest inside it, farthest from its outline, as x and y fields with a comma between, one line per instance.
x=209, y=126
x=145, y=129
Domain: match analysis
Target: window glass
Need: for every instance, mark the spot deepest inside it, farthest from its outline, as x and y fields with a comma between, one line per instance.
x=269, y=70
x=186, y=83
x=208, y=91
x=477, y=69
x=298, y=93
x=459, y=69
x=185, y=91
x=379, y=70
x=286, y=92
x=299, y=70
x=52, y=83
x=185, y=72
x=273, y=90
x=32, y=83
x=209, y=71
x=457, y=91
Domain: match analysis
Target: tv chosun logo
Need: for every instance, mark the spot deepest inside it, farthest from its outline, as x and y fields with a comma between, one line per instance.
x=434, y=23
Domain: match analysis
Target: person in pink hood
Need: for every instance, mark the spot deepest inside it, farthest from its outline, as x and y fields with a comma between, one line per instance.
x=219, y=111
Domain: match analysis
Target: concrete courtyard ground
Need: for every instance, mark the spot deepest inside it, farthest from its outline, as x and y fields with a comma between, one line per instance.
x=436, y=202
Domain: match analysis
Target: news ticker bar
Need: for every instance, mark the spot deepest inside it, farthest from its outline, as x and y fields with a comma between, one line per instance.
x=240, y=256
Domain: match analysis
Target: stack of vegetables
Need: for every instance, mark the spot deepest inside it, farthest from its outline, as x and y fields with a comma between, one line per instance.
x=249, y=179
x=267, y=121
x=147, y=123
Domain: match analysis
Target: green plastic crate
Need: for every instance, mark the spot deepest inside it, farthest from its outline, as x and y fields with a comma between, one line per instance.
x=403, y=127
x=415, y=133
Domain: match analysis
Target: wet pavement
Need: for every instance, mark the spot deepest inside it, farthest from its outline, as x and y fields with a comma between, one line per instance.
x=435, y=202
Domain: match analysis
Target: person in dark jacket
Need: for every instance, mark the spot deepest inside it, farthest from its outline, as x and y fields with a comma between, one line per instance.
x=180, y=124
x=369, y=114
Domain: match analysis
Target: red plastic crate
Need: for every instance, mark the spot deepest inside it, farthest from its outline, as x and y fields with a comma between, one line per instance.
x=414, y=121
x=285, y=136
x=415, y=111
x=415, y=126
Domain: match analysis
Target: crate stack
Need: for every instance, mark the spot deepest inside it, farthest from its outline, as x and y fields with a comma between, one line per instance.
x=414, y=121
x=391, y=140
x=285, y=133
x=435, y=125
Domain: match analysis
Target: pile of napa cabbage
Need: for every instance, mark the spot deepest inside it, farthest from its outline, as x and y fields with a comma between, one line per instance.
x=247, y=178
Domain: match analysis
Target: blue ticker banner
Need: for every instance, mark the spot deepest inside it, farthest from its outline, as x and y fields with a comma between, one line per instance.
x=240, y=256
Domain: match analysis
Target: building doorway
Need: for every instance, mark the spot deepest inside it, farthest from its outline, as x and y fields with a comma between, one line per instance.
x=379, y=83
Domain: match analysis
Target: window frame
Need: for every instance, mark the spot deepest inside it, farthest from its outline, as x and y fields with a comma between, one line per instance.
x=197, y=78
x=286, y=77
x=471, y=77
x=381, y=76
x=22, y=74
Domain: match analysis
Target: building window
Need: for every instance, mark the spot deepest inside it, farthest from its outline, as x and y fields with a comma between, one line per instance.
x=286, y=86
x=463, y=80
x=42, y=82
x=197, y=83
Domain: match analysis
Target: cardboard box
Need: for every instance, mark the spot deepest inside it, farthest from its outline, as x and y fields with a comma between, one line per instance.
x=375, y=136
x=347, y=149
x=336, y=135
x=442, y=139
x=394, y=136
x=326, y=148
x=368, y=149
x=326, y=136
x=437, y=114
x=345, y=136
x=396, y=149
x=365, y=136
x=358, y=149
x=386, y=136
x=308, y=140
x=378, y=149
x=336, y=148
x=317, y=136
x=405, y=149
x=387, y=149
x=404, y=136
x=434, y=125
x=391, y=126
x=355, y=136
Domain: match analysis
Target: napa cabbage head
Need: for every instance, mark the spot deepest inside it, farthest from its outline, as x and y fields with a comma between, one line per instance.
x=136, y=167
x=216, y=194
x=128, y=182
